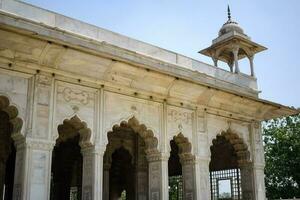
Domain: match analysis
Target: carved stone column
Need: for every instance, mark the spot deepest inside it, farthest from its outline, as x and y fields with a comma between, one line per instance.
x=247, y=181
x=142, y=183
x=106, y=168
x=92, y=176
x=32, y=170
x=158, y=176
x=203, y=186
x=188, y=175
x=258, y=161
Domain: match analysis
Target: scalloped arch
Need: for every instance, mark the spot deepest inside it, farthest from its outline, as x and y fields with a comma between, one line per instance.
x=238, y=144
x=12, y=112
x=146, y=134
x=185, y=147
x=71, y=128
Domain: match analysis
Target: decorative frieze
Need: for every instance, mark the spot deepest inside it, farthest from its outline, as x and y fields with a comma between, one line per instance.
x=72, y=96
x=179, y=120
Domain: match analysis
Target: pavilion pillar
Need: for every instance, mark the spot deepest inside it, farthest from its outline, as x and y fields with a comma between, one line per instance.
x=236, y=59
x=215, y=60
x=92, y=176
x=189, y=176
x=158, y=176
x=32, y=170
x=251, y=58
x=231, y=67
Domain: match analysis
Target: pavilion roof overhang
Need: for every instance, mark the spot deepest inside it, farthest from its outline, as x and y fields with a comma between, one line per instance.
x=222, y=45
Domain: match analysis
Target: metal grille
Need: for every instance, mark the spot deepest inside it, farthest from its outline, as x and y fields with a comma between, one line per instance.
x=175, y=188
x=228, y=176
x=74, y=193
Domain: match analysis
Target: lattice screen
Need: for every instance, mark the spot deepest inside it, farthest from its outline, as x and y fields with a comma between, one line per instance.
x=175, y=188
x=225, y=184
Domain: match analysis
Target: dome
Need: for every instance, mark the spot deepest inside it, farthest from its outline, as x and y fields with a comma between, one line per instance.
x=230, y=26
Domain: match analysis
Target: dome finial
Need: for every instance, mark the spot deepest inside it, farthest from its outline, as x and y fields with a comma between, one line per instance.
x=229, y=14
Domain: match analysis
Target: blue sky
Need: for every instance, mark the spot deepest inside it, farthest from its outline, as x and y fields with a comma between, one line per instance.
x=189, y=26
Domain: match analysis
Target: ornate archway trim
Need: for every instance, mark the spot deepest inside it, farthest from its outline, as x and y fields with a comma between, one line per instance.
x=185, y=148
x=239, y=146
x=14, y=120
x=147, y=135
x=73, y=127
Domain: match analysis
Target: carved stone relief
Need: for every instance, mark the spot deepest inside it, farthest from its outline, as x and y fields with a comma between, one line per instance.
x=43, y=90
x=155, y=176
x=258, y=144
x=201, y=122
x=188, y=176
x=179, y=120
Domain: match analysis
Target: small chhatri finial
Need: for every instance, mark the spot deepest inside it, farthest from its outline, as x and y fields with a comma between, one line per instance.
x=229, y=14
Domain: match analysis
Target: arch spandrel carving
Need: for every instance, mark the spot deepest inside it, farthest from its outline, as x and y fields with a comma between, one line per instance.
x=75, y=100
x=15, y=121
x=180, y=120
x=17, y=87
x=72, y=127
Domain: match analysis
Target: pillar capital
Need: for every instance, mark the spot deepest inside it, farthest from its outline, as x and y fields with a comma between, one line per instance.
x=187, y=159
x=37, y=144
x=153, y=157
x=93, y=149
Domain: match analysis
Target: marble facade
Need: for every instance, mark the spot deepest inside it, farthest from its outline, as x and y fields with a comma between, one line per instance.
x=58, y=74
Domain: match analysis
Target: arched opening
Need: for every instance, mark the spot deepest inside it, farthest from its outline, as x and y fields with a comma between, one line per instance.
x=67, y=160
x=228, y=153
x=175, y=173
x=121, y=175
x=66, y=170
x=10, y=125
x=7, y=157
x=125, y=164
x=181, y=169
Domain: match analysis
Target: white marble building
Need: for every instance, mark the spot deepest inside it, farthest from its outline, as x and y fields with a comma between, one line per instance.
x=91, y=114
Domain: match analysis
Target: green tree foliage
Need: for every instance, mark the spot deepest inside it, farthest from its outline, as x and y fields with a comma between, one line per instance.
x=282, y=154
